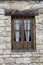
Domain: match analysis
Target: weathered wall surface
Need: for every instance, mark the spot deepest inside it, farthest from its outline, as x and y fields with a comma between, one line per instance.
x=19, y=58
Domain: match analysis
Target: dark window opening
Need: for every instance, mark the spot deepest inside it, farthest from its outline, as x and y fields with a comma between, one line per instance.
x=23, y=33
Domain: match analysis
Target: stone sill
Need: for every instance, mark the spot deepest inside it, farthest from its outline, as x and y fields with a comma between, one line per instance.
x=23, y=50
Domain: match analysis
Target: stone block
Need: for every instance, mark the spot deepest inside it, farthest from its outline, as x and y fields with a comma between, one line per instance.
x=8, y=34
x=40, y=16
x=34, y=64
x=25, y=64
x=3, y=64
x=41, y=51
x=4, y=5
x=2, y=23
x=6, y=56
x=15, y=53
x=1, y=40
x=1, y=11
x=4, y=38
x=3, y=17
x=8, y=28
x=0, y=56
x=19, y=60
x=8, y=45
x=16, y=56
x=37, y=19
x=35, y=59
x=10, y=60
x=1, y=61
x=2, y=33
x=11, y=64
x=2, y=46
x=8, y=23
x=38, y=51
x=7, y=52
x=38, y=41
x=39, y=47
x=41, y=59
x=41, y=54
x=2, y=29
x=27, y=60
x=36, y=55
x=21, y=53
x=8, y=39
x=1, y=51
x=26, y=54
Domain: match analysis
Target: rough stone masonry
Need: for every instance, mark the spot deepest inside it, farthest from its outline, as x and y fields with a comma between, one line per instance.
x=7, y=57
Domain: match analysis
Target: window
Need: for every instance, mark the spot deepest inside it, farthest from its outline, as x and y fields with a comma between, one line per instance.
x=22, y=33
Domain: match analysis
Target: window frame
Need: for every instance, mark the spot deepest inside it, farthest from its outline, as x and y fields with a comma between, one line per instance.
x=22, y=36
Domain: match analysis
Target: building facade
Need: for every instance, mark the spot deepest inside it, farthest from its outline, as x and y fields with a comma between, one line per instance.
x=9, y=57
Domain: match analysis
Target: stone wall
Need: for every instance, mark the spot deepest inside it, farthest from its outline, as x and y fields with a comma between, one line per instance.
x=8, y=57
